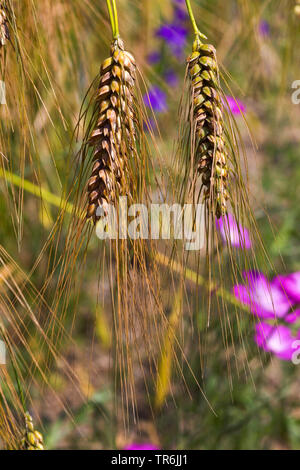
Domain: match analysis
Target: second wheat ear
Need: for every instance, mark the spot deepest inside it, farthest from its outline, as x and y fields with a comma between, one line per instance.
x=33, y=439
x=211, y=154
x=113, y=138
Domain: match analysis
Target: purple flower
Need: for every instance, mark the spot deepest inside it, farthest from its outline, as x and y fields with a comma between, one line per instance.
x=180, y=14
x=175, y=36
x=236, y=106
x=156, y=99
x=136, y=446
x=264, y=28
x=276, y=339
x=154, y=57
x=180, y=11
x=291, y=285
x=231, y=232
x=265, y=299
x=171, y=78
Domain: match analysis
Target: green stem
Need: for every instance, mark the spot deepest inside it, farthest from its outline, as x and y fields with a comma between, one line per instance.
x=115, y=11
x=42, y=193
x=193, y=21
x=192, y=17
x=111, y=17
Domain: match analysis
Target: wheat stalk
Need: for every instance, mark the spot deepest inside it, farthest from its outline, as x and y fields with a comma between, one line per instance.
x=114, y=133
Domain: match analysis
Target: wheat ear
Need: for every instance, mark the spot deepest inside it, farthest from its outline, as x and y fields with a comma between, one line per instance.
x=211, y=153
x=32, y=439
x=114, y=134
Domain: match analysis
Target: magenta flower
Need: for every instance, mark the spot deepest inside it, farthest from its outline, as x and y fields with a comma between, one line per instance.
x=265, y=299
x=136, y=446
x=156, y=99
x=231, y=232
x=276, y=339
x=269, y=300
x=292, y=317
x=236, y=106
x=291, y=286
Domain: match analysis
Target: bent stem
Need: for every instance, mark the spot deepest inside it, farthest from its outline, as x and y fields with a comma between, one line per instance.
x=197, y=32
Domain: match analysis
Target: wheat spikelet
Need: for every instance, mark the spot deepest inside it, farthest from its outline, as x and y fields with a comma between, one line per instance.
x=114, y=133
x=32, y=439
x=4, y=31
x=210, y=151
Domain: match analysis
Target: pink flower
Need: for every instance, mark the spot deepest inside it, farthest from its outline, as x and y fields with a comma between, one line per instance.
x=231, y=232
x=272, y=300
x=291, y=285
x=145, y=446
x=292, y=317
x=276, y=339
x=236, y=106
x=265, y=299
